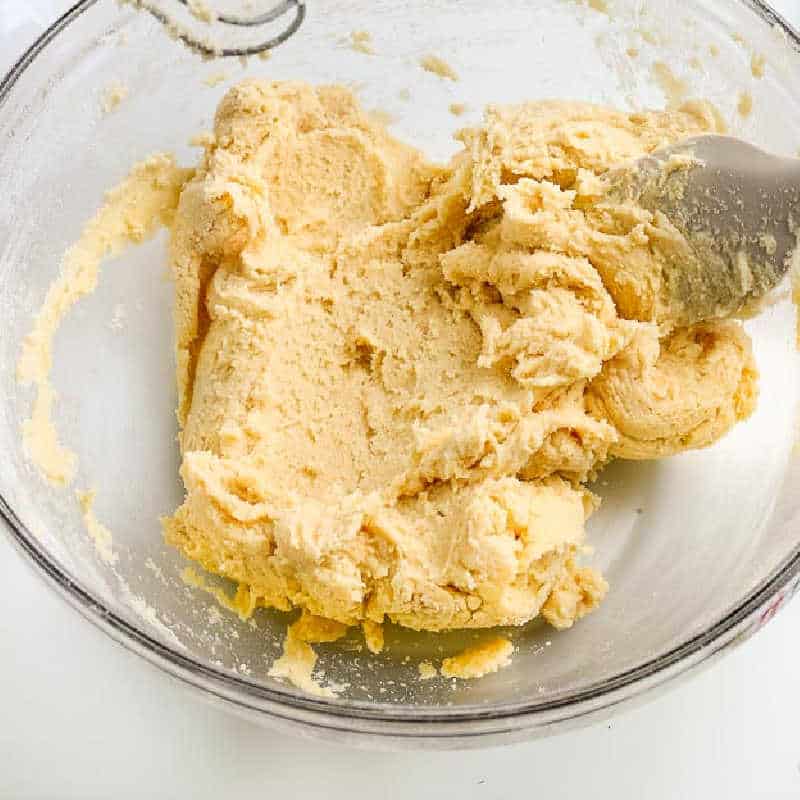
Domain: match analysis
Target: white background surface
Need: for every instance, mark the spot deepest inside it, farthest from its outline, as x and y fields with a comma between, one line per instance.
x=81, y=717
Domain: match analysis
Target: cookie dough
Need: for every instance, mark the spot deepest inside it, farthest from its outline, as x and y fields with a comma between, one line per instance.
x=479, y=660
x=297, y=662
x=395, y=377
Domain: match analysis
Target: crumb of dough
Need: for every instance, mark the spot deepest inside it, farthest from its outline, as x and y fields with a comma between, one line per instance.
x=438, y=66
x=377, y=355
x=695, y=63
x=265, y=55
x=738, y=38
x=757, y=65
x=215, y=79
x=373, y=635
x=404, y=94
x=674, y=88
x=479, y=660
x=202, y=11
x=457, y=109
x=113, y=96
x=632, y=52
x=243, y=602
x=745, y=104
x=361, y=42
x=132, y=212
x=427, y=670
x=101, y=535
x=297, y=663
x=713, y=50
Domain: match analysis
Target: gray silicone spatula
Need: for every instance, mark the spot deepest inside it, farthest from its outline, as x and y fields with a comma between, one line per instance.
x=738, y=208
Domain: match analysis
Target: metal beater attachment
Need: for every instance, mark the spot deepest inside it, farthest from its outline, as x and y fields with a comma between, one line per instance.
x=205, y=45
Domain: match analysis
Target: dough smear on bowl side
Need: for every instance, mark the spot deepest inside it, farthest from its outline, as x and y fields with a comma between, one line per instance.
x=395, y=377
x=133, y=211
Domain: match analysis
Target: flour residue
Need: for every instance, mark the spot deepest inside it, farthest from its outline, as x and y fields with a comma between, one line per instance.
x=101, y=535
x=118, y=317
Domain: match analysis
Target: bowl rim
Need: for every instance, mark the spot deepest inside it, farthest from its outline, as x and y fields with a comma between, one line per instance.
x=402, y=720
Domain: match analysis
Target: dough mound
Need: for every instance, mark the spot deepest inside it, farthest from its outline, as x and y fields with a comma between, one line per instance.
x=394, y=376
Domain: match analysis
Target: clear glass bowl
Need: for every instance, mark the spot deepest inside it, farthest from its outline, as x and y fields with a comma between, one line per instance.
x=699, y=549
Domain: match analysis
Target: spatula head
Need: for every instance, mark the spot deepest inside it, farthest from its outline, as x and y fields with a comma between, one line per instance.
x=738, y=209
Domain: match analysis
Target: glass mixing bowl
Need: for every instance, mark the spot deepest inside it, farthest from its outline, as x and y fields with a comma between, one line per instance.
x=699, y=550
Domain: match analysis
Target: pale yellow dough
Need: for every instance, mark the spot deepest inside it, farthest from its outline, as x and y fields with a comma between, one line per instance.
x=479, y=660
x=298, y=660
x=394, y=377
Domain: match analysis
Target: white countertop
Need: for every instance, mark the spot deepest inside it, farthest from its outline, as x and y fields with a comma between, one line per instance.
x=84, y=718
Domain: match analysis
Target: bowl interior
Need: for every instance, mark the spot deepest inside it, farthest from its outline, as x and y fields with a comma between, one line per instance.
x=681, y=541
